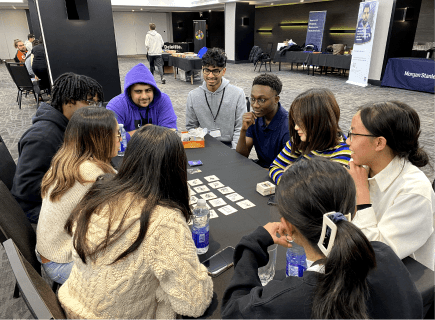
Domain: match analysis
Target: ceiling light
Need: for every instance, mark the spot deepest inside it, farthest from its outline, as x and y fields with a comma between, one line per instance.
x=141, y=9
x=132, y=10
x=209, y=10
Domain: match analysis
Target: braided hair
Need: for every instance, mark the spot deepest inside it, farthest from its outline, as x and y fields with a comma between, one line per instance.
x=71, y=87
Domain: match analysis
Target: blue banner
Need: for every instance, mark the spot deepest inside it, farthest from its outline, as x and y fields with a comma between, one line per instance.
x=362, y=49
x=316, y=25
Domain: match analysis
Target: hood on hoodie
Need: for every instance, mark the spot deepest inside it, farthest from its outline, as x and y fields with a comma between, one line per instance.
x=224, y=83
x=140, y=74
x=152, y=32
x=45, y=112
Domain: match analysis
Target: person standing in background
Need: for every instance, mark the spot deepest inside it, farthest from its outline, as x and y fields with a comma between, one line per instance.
x=154, y=44
x=29, y=42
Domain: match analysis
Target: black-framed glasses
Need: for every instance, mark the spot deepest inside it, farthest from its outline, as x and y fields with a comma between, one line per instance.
x=259, y=101
x=350, y=134
x=215, y=72
x=93, y=103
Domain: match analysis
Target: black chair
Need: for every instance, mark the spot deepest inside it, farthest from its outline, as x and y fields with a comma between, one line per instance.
x=15, y=225
x=38, y=296
x=255, y=55
x=24, y=83
x=424, y=281
x=7, y=165
x=266, y=57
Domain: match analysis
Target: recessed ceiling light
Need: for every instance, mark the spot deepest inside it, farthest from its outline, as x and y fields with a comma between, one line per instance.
x=209, y=10
x=141, y=9
x=271, y=4
x=132, y=10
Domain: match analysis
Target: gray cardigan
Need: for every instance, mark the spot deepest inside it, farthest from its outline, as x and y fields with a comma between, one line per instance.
x=229, y=118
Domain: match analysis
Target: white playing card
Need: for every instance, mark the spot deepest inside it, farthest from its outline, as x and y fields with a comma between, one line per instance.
x=217, y=202
x=201, y=189
x=208, y=196
x=216, y=184
x=234, y=196
x=194, y=182
x=213, y=214
x=227, y=210
x=245, y=204
x=191, y=192
x=211, y=178
x=225, y=190
x=193, y=200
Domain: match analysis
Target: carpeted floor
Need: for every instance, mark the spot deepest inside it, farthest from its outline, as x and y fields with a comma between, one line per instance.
x=14, y=122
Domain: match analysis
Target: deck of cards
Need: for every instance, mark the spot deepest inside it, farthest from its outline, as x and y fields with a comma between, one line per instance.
x=265, y=188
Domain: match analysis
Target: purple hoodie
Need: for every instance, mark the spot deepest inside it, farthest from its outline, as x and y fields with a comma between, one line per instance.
x=161, y=112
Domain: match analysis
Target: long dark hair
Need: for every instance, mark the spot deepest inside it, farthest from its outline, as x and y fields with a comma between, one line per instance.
x=317, y=113
x=399, y=124
x=89, y=136
x=309, y=189
x=153, y=169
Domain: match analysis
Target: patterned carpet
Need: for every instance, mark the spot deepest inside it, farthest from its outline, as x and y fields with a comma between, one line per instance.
x=13, y=123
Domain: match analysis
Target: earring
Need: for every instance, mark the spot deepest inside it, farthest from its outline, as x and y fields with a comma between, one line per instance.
x=289, y=241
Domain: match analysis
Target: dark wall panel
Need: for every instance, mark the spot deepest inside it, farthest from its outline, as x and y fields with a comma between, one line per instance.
x=341, y=14
x=425, y=27
x=402, y=34
x=244, y=35
x=82, y=46
x=34, y=19
x=182, y=27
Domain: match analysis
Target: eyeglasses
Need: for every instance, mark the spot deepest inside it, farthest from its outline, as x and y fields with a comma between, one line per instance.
x=119, y=136
x=215, y=72
x=93, y=103
x=350, y=134
x=259, y=101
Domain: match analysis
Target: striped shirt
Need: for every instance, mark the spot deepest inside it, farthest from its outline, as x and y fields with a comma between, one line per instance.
x=340, y=153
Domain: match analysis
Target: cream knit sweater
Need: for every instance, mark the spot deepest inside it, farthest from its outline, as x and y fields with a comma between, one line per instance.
x=52, y=241
x=161, y=279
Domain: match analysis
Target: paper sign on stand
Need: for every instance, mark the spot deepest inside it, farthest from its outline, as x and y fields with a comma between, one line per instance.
x=363, y=44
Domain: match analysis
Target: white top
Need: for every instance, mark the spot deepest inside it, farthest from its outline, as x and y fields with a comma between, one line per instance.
x=52, y=241
x=154, y=43
x=401, y=215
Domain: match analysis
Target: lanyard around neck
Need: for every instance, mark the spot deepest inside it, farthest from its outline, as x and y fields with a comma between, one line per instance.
x=220, y=105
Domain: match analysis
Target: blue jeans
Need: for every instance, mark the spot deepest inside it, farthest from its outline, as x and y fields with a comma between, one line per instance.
x=58, y=272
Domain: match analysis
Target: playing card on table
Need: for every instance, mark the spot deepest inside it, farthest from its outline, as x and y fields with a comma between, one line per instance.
x=193, y=171
x=211, y=178
x=227, y=210
x=193, y=200
x=213, y=214
x=245, y=204
x=191, y=192
x=217, y=202
x=194, y=182
x=208, y=196
x=201, y=189
x=225, y=190
x=216, y=185
x=234, y=196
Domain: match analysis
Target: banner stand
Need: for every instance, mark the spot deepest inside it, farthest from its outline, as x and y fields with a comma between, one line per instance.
x=363, y=44
x=199, y=37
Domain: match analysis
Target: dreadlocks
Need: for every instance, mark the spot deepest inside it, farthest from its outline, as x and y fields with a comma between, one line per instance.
x=71, y=87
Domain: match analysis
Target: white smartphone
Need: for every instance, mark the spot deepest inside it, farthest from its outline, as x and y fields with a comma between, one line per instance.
x=220, y=261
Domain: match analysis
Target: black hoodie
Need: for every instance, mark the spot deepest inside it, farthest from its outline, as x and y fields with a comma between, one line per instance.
x=36, y=148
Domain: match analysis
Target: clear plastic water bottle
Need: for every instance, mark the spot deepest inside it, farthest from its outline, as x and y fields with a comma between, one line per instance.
x=200, y=227
x=296, y=261
x=123, y=145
